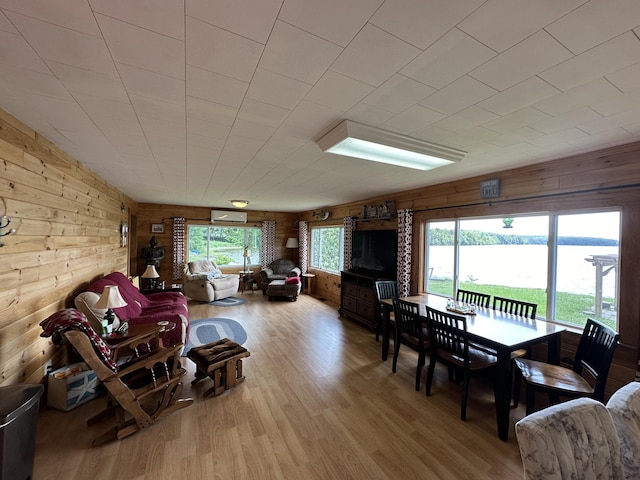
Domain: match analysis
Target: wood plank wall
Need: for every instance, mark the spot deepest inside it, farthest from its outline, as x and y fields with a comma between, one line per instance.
x=67, y=222
x=149, y=214
x=606, y=178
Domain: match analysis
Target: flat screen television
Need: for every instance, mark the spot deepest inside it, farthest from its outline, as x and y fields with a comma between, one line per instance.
x=375, y=251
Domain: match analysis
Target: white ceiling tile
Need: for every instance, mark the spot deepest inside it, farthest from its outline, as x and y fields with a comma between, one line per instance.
x=566, y=120
x=522, y=118
x=214, y=87
x=626, y=79
x=212, y=112
x=616, y=54
x=413, y=119
x=152, y=108
x=63, y=45
x=521, y=95
x=297, y=54
x=250, y=18
x=337, y=91
x=34, y=83
x=368, y=114
x=626, y=102
x=531, y=56
x=5, y=24
x=397, y=94
x=448, y=59
x=70, y=14
x=500, y=24
x=594, y=92
x=150, y=84
x=256, y=131
x=466, y=119
x=79, y=80
x=161, y=16
x=334, y=20
x=219, y=51
x=15, y=51
x=462, y=93
x=308, y=120
x=421, y=22
x=594, y=23
x=603, y=124
x=563, y=136
x=133, y=45
x=262, y=113
x=374, y=56
x=273, y=89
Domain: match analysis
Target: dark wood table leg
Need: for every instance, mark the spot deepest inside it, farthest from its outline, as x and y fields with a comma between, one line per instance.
x=385, y=332
x=502, y=392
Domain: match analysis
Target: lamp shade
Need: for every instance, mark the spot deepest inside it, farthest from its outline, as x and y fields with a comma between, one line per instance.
x=292, y=242
x=150, y=272
x=110, y=298
x=239, y=203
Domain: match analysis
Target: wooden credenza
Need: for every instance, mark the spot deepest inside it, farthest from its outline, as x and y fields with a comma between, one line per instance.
x=358, y=298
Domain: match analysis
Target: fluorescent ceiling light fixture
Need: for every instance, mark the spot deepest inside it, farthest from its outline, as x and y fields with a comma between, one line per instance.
x=239, y=203
x=361, y=141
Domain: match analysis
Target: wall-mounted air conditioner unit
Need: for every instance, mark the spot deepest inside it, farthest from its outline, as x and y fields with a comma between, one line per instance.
x=224, y=216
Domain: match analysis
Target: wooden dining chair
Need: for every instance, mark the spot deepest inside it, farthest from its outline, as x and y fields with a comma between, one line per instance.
x=411, y=331
x=593, y=359
x=467, y=296
x=450, y=346
x=515, y=307
x=385, y=290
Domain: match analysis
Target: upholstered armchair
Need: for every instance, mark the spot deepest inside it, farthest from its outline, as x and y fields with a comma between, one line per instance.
x=202, y=280
x=280, y=269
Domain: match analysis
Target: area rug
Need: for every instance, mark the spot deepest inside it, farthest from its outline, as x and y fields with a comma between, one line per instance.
x=211, y=329
x=228, y=302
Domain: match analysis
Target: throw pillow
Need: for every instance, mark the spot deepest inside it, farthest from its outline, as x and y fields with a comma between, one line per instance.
x=291, y=280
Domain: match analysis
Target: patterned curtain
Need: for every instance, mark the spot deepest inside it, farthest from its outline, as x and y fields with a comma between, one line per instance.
x=349, y=227
x=178, y=246
x=268, y=242
x=303, y=245
x=405, y=235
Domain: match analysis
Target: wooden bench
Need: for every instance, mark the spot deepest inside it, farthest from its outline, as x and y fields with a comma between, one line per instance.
x=221, y=361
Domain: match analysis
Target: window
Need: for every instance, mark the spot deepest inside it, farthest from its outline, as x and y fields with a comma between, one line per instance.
x=327, y=248
x=225, y=245
x=565, y=263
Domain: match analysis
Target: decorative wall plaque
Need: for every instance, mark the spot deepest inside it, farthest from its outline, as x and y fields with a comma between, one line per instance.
x=490, y=188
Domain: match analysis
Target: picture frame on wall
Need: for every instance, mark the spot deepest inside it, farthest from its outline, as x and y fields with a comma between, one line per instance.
x=157, y=228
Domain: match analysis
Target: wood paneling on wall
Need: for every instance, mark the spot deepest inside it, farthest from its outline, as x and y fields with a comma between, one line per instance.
x=67, y=222
x=606, y=178
x=149, y=214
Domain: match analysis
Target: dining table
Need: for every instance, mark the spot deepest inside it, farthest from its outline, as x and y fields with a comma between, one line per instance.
x=498, y=331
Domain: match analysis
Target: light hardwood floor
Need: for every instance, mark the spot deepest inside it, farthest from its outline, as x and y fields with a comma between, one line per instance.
x=317, y=403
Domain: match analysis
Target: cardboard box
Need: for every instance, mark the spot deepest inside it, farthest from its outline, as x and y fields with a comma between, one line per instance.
x=71, y=386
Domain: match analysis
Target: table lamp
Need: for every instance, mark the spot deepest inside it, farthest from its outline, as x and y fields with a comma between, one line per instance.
x=110, y=299
x=150, y=275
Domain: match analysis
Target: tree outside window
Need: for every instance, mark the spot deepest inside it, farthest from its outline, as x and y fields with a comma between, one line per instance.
x=327, y=248
x=224, y=245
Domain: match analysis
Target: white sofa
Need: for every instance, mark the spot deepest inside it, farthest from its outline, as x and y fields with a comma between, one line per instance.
x=202, y=280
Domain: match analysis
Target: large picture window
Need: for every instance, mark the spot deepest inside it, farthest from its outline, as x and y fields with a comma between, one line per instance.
x=327, y=248
x=225, y=245
x=566, y=263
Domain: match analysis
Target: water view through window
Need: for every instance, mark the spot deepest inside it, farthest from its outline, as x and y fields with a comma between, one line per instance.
x=565, y=263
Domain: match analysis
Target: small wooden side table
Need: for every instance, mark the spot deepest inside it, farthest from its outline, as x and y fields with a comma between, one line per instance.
x=307, y=279
x=246, y=280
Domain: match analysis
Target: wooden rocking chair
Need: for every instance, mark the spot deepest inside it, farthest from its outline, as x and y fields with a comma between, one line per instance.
x=140, y=390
